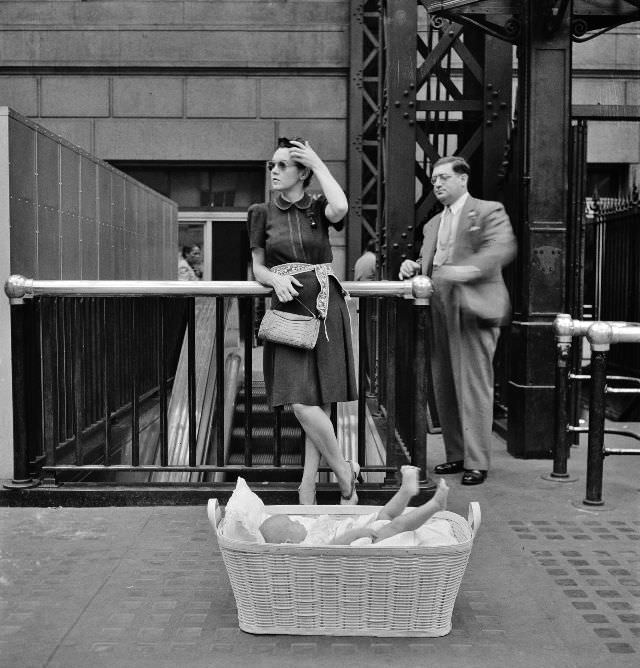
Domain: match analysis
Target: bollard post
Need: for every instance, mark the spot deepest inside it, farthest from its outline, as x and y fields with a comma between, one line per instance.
x=15, y=289
x=600, y=335
x=422, y=289
x=563, y=328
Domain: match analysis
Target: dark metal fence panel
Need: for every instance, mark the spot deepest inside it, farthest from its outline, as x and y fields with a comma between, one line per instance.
x=617, y=263
x=99, y=369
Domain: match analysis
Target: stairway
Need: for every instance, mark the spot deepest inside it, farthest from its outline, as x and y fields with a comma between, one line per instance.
x=292, y=439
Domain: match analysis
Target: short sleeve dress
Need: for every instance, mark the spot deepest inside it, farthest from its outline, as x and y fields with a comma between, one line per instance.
x=299, y=232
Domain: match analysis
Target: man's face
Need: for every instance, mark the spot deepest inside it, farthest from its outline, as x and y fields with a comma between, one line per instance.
x=447, y=185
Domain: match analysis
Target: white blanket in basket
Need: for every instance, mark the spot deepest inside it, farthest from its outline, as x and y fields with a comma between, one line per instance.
x=245, y=512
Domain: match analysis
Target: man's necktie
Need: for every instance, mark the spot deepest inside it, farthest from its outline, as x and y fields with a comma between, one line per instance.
x=444, y=238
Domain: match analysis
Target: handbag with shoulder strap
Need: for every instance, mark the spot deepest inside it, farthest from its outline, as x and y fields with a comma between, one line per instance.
x=290, y=329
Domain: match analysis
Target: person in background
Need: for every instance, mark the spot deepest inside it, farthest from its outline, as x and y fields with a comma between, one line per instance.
x=291, y=254
x=464, y=250
x=365, y=266
x=189, y=264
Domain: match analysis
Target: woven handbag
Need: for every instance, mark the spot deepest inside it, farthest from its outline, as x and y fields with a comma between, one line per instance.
x=290, y=329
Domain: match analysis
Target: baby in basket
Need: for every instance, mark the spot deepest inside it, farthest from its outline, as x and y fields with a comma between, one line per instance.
x=368, y=529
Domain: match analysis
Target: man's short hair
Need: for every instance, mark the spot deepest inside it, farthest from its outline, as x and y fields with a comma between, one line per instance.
x=458, y=165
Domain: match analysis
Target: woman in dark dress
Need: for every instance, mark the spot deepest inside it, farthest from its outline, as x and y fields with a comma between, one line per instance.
x=291, y=254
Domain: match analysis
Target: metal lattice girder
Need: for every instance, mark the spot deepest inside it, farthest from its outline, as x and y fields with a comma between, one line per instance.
x=365, y=153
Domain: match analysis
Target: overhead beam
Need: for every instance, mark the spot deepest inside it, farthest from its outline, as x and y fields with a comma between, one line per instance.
x=606, y=112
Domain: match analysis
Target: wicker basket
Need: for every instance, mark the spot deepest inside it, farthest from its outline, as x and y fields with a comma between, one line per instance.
x=346, y=590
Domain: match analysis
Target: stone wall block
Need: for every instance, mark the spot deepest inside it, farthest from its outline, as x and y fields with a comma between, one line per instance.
x=148, y=96
x=74, y=96
x=220, y=97
x=19, y=93
x=308, y=97
x=193, y=139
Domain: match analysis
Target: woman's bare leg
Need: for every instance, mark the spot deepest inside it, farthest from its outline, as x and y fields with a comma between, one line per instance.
x=307, y=489
x=317, y=426
x=415, y=518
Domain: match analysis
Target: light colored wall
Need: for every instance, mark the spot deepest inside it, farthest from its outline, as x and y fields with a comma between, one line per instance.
x=210, y=81
x=606, y=71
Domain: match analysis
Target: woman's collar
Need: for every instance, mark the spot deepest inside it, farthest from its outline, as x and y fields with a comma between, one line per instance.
x=303, y=203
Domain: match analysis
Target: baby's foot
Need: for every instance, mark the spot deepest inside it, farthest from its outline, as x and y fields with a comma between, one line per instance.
x=410, y=479
x=440, y=497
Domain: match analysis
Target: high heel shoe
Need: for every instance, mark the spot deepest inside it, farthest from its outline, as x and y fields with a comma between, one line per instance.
x=352, y=499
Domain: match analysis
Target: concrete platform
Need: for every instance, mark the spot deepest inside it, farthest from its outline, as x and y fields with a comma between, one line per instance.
x=550, y=583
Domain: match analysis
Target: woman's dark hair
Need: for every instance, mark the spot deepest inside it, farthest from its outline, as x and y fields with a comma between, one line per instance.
x=285, y=142
x=187, y=249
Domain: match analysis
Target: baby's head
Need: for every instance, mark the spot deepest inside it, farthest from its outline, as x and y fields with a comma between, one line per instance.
x=282, y=529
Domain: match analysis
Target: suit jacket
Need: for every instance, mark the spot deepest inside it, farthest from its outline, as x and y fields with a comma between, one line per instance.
x=484, y=239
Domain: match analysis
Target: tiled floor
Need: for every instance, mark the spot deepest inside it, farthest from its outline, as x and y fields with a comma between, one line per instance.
x=550, y=582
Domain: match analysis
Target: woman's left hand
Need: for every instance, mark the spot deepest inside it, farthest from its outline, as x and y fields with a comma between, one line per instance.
x=305, y=155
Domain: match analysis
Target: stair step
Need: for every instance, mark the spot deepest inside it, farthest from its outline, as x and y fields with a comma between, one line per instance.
x=266, y=459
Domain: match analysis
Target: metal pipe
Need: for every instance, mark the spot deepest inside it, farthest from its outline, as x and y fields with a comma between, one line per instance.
x=18, y=287
x=561, y=450
x=600, y=335
x=621, y=451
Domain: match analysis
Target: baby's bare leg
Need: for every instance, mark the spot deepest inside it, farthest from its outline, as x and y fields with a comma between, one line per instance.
x=415, y=518
x=409, y=487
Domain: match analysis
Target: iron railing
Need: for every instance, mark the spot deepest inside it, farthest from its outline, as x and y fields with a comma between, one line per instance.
x=112, y=354
x=601, y=335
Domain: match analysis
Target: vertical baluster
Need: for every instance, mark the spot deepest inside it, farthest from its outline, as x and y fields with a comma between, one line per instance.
x=191, y=377
x=363, y=357
x=390, y=445
x=247, y=311
x=105, y=353
x=421, y=343
x=134, y=388
x=76, y=333
x=161, y=360
x=48, y=335
x=219, y=413
x=277, y=436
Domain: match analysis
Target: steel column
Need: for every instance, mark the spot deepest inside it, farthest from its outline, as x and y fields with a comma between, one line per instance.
x=400, y=131
x=544, y=106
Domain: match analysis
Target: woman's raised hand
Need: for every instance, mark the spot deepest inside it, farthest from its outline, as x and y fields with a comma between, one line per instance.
x=304, y=154
x=283, y=287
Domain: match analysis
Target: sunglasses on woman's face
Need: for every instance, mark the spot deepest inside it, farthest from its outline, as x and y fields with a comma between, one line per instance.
x=280, y=164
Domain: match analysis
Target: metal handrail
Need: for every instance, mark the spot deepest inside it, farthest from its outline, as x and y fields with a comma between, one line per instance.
x=601, y=335
x=18, y=288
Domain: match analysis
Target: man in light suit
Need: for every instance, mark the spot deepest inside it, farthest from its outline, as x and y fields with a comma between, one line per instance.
x=464, y=250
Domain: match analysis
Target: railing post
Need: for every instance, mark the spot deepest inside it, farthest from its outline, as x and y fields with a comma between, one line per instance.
x=600, y=335
x=422, y=289
x=21, y=478
x=563, y=328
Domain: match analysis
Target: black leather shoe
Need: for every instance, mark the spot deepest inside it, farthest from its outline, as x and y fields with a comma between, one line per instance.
x=473, y=477
x=449, y=467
